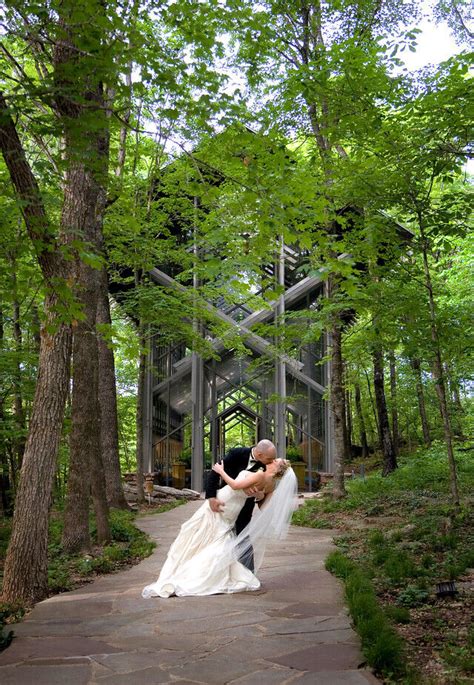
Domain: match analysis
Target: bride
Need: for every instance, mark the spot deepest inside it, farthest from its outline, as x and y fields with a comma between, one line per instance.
x=203, y=559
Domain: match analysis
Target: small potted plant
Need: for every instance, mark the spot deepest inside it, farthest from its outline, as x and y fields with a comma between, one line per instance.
x=178, y=468
x=293, y=454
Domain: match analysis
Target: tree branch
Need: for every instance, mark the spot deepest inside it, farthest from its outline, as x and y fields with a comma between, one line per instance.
x=28, y=192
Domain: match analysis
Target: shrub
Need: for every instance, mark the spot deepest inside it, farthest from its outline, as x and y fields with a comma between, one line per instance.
x=121, y=525
x=114, y=552
x=142, y=548
x=59, y=576
x=413, y=596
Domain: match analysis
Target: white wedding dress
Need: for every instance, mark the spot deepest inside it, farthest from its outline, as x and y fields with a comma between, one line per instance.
x=202, y=560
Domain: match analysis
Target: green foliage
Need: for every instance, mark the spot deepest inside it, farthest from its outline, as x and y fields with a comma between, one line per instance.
x=305, y=516
x=461, y=657
x=417, y=543
x=413, y=596
x=128, y=544
x=398, y=614
x=9, y=613
x=381, y=645
x=293, y=454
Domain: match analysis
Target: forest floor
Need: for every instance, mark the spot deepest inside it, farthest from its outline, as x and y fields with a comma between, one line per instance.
x=400, y=532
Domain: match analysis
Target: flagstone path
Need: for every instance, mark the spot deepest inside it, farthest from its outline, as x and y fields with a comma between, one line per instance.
x=294, y=630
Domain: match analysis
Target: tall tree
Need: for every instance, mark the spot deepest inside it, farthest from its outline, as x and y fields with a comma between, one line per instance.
x=312, y=49
x=393, y=402
x=25, y=574
x=107, y=395
x=428, y=144
x=80, y=83
x=385, y=437
x=361, y=421
x=416, y=366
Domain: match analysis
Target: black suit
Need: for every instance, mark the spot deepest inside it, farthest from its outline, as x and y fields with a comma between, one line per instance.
x=235, y=461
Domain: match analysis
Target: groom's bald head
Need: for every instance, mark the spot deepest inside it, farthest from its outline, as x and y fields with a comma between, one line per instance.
x=265, y=451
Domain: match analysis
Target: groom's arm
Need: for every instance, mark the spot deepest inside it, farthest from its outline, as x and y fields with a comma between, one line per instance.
x=213, y=478
x=231, y=464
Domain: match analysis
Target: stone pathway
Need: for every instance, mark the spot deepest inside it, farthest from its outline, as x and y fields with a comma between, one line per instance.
x=294, y=630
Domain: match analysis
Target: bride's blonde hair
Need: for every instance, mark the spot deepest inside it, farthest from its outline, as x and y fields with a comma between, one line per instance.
x=284, y=466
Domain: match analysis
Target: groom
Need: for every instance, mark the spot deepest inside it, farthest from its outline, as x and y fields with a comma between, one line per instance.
x=236, y=460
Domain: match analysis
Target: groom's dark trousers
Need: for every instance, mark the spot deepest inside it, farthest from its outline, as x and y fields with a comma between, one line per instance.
x=235, y=461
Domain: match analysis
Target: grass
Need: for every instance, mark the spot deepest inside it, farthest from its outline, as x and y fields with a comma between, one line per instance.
x=381, y=645
x=402, y=537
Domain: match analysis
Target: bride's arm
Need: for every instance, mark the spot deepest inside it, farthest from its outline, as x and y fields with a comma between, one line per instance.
x=252, y=480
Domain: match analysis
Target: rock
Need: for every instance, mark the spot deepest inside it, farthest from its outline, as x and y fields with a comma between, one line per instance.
x=160, y=494
x=174, y=492
x=194, y=494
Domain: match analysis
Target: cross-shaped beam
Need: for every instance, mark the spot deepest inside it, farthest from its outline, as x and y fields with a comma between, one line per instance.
x=254, y=341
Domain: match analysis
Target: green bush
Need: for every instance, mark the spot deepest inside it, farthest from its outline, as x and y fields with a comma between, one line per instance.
x=128, y=543
x=384, y=649
x=423, y=474
x=293, y=454
x=102, y=565
x=142, y=548
x=115, y=552
x=84, y=566
x=413, y=596
x=55, y=530
x=59, y=575
x=121, y=525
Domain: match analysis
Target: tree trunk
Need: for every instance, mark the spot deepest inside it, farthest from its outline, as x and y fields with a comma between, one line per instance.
x=372, y=404
x=108, y=406
x=86, y=471
x=457, y=397
x=416, y=366
x=140, y=417
x=5, y=487
x=18, y=409
x=337, y=396
x=87, y=154
x=86, y=199
x=393, y=398
x=360, y=418
x=25, y=572
x=348, y=423
x=389, y=458
x=455, y=402
x=438, y=376
x=26, y=565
